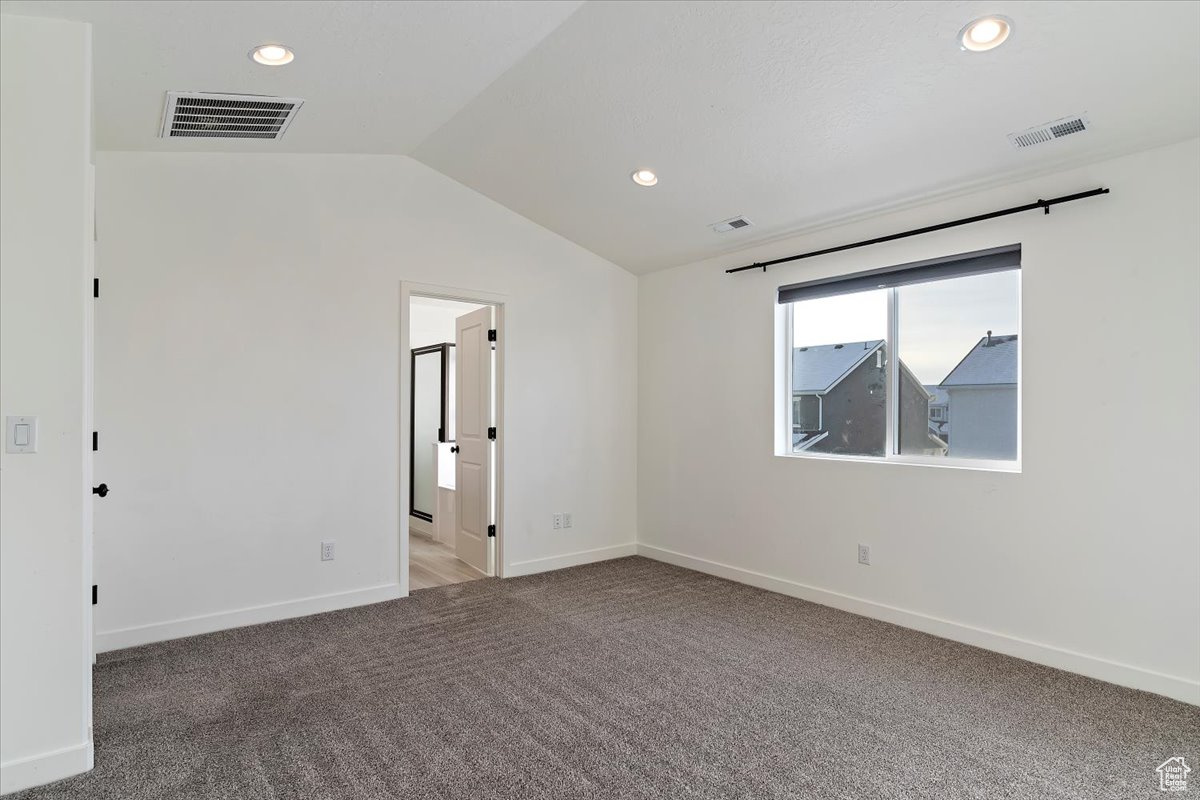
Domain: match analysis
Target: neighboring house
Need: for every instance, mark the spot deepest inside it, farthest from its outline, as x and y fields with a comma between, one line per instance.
x=982, y=400
x=939, y=412
x=839, y=396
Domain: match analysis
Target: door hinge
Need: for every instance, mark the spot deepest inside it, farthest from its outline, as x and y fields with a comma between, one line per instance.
x=492, y=335
x=95, y=594
x=491, y=530
x=492, y=434
x=95, y=440
x=95, y=287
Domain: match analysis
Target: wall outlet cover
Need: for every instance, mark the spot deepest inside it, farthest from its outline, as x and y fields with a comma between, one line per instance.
x=327, y=551
x=566, y=520
x=864, y=554
x=558, y=522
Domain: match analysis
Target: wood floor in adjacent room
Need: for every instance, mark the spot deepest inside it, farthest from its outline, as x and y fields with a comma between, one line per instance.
x=623, y=680
x=432, y=564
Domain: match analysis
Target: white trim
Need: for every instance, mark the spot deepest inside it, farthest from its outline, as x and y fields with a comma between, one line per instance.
x=939, y=462
x=426, y=529
x=783, y=378
x=88, y=455
x=253, y=615
x=23, y=773
x=549, y=563
x=892, y=398
x=1183, y=689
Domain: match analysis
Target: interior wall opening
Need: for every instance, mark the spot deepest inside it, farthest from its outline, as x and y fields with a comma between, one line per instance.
x=451, y=442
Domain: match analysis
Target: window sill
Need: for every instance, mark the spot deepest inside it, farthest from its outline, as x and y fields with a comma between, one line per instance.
x=977, y=465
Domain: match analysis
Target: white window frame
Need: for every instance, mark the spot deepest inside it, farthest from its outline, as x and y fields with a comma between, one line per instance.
x=783, y=395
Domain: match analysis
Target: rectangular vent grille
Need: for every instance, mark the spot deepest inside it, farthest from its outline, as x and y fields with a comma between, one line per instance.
x=731, y=224
x=1049, y=132
x=199, y=115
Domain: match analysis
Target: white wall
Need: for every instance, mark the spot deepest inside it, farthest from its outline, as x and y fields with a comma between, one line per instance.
x=1088, y=559
x=248, y=354
x=45, y=268
x=431, y=320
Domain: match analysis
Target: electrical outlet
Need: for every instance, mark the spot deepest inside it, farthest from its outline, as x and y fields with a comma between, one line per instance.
x=566, y=520
x=327, y=551
x=864, y=554
x=558, y=522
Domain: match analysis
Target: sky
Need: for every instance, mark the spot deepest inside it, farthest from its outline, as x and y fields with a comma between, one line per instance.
x=938, y=322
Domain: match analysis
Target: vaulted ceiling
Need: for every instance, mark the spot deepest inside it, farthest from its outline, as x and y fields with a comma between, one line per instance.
x=793, y=114
x=376, y=77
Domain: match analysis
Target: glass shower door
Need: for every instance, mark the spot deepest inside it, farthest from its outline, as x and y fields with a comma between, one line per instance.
x=430, y=424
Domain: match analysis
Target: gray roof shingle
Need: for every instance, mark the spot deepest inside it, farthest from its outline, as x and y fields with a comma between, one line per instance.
x=816, y=369
x=987, y=364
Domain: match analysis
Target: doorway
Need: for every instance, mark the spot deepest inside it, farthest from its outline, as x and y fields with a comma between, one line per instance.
x=450, y=378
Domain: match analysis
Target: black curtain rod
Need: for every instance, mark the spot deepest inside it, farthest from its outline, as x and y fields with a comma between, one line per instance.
x=1044, y=204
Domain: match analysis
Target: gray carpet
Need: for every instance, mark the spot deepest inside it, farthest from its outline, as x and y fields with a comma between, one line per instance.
x=627, y=679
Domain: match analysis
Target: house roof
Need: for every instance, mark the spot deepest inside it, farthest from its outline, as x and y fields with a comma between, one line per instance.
x=938, y=395
x=818, y=369
x=992, y=361
x=806, y=439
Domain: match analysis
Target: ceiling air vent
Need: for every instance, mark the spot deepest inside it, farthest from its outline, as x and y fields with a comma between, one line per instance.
x=731, y=224
x=199, y=115
x=1049, y=132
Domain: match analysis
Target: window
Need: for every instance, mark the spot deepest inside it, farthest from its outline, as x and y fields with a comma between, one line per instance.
x=950, y=394
x=806, y=413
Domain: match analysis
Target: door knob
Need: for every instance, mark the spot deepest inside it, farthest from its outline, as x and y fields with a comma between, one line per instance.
x=101, y=490
x=454, y=449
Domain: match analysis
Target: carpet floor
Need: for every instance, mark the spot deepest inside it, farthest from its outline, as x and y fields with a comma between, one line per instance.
x=625, y=679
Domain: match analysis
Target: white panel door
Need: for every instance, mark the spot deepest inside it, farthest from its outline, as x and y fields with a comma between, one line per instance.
x=472, y=417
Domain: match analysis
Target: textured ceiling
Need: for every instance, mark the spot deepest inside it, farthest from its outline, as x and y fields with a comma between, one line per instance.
x=796, y=114
x=793, y=114
x=377, y=77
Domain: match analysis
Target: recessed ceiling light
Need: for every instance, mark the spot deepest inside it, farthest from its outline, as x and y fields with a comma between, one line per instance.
x=644, y=177
x=272, y=55
x=985, y=33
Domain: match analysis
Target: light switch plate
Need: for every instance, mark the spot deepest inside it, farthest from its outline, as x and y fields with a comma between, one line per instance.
x=20, y=434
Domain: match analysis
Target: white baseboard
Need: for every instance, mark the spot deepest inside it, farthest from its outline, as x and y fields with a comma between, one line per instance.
x=536, y=565
x=426, y=529
x=272, y=612
x=1171, y=686
x=23, y=773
